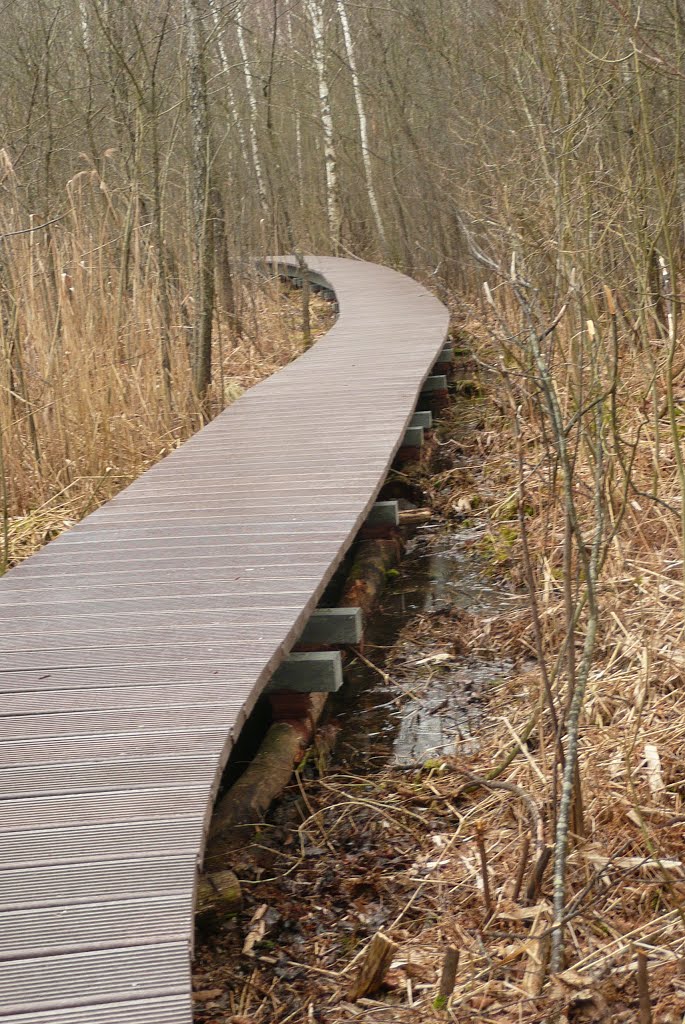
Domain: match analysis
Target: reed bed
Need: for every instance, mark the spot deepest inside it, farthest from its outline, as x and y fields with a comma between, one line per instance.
x=85, y=406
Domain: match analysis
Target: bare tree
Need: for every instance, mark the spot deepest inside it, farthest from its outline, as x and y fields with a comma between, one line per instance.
x=333, y=205
x=362, y=123
x=201, y=348
x=254, y=118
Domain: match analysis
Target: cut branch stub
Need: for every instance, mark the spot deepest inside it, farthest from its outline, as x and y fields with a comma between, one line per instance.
x=374, y=966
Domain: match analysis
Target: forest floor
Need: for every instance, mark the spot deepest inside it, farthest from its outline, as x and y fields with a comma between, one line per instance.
x=453, y=851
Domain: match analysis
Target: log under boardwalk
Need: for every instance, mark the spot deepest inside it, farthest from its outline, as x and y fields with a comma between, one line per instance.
x=133, y=648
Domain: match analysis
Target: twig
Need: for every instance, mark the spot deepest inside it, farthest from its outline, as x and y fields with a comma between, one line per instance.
x=448, y=975
x=535, y=880
x=369, y=664
x=523, y=863
x=480, y=843
x=510, y=787
x=643, y=988
x=37, y=227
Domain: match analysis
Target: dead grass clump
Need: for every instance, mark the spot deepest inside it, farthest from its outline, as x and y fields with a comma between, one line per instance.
x=84, y=408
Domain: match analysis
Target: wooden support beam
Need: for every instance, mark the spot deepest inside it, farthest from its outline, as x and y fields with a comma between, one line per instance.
x=384, y=513
x=446, y=355
x=308, y=672
x=413, y=437
x=333, y=626
x=422, y=419
x=438, y=382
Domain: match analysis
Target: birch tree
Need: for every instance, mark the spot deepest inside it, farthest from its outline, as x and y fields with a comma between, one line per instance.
x=201, y=347
x=254, y=118
x=333, y=206
x=362, y=122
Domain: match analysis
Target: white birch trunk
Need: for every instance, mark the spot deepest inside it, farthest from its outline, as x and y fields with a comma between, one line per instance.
x=298, y=119
x=85, y=26
x=361, y=118
x=332, y=187
x=226, y=70
x=252, y=100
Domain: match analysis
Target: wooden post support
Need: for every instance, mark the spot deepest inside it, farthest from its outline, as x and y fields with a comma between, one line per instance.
x=422, y=419
x=448, y=976
x=438, y=382
x=308, y=672
x=384, y=513
x=446, y=355
x=333, y=626
x=413, y=438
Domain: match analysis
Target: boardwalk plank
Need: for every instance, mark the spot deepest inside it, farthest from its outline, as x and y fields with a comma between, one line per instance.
x=134, y=646
x=94, y=977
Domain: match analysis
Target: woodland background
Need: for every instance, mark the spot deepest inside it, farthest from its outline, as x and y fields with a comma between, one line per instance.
x=522, y=158
x=151, y=152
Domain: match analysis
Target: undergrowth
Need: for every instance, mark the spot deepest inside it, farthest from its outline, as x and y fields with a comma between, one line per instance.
x=459, y=852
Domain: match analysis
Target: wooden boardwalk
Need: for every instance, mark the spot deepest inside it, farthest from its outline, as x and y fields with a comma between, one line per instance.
x=133, y=647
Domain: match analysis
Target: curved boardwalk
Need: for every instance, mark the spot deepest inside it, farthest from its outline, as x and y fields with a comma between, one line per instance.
x=133, y=647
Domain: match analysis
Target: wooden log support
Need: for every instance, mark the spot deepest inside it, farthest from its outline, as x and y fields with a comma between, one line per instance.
x=437, y=382
x=413, y=437
x=308, y=672
x=329, y=626
x=422, y=419
x=265, y=778
x=367, y=578
x=295, y=717
x=444, y=364
x=384, y=513
x=218, y=898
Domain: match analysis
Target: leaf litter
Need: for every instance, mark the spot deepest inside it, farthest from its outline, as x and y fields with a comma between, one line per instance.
x=452, y=852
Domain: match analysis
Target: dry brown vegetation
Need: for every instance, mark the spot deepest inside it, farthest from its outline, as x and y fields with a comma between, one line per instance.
x=84, y=408
x=534, y=147
x=401, y=850
x=89, y=421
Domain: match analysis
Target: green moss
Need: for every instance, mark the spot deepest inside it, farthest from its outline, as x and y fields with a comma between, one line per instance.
x=497, y=545
x=468, y=388
x=509, y=509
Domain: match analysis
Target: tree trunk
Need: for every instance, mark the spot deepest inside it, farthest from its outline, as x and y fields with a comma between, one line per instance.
x=252, y=100
x=226, y=83
x=363, y=128
x=332, y=185
x=224, y=274
x=201, y=349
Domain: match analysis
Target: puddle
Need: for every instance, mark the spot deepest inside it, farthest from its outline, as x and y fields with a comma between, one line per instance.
x=432, y=703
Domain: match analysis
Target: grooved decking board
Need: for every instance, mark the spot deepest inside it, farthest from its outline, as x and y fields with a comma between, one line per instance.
x=163, y=1009
x=109, y=841
x=45, y=931
x=108, y=975
x=102, y=776
x=134, y=646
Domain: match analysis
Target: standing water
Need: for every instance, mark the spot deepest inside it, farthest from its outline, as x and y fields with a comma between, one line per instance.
x=417, y=694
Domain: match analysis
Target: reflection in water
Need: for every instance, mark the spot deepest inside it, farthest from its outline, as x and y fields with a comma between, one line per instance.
x=433, y=708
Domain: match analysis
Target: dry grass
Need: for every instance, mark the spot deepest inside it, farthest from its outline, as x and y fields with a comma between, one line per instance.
x=399, y=850
x=83, y=407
